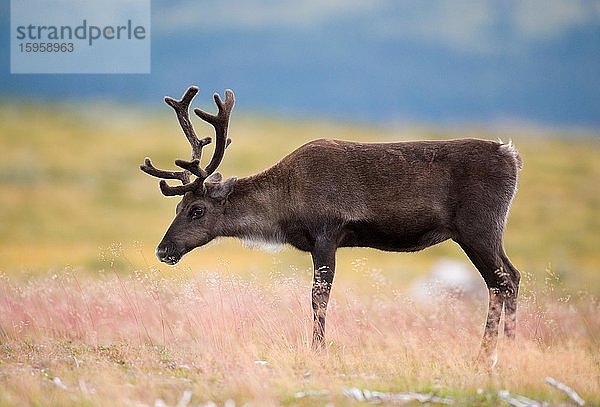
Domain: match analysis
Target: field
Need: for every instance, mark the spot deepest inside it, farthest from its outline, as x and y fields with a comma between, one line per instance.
x=89, y=317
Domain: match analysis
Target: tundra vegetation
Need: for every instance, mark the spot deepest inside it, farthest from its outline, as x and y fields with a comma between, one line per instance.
x=89, y=317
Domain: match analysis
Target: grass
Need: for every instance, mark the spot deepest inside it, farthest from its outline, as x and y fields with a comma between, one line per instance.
x=89, y=317
x=111, y=339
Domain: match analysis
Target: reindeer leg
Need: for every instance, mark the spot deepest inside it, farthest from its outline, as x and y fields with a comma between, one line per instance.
x=510, y=300
x=323, y=255
x=487, y=352
x=488, y=260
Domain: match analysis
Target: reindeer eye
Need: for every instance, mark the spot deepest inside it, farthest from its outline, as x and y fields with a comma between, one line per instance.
x=197, y=212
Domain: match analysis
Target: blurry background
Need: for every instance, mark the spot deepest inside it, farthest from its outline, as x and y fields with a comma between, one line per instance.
x=437, y=62
x=71, y=194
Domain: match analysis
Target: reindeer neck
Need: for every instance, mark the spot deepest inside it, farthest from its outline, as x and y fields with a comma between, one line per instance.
x=251, y=211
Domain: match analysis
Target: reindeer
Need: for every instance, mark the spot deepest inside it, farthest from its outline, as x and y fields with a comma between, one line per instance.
x=400, y=197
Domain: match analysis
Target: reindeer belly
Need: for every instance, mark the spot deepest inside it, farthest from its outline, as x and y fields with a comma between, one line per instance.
x=393, y=237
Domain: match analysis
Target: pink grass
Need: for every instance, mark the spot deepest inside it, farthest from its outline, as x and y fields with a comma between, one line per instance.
x=145, y=336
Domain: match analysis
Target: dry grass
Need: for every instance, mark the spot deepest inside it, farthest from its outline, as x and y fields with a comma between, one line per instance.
x=130, y=340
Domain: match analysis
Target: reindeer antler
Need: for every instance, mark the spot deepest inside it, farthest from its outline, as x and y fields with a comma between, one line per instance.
x=220, y=122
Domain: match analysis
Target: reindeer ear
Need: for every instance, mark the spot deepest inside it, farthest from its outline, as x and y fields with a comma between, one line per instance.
x=214, y=178
x=216, y=189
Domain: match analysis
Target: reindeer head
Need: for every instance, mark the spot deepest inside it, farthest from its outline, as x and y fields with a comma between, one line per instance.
x=200, y=211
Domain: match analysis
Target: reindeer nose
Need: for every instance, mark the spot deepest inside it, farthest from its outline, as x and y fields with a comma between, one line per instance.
x=168, y=254
x=161, y=252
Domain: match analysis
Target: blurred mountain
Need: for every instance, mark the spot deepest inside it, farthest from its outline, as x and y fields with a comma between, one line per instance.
x=440, y=62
